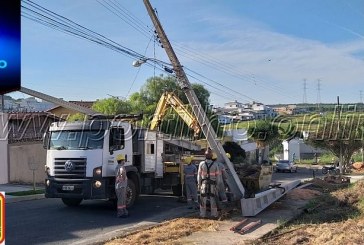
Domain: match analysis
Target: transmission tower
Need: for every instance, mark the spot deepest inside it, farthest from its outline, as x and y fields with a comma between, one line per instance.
x=304, y=91
x=361, y=96
x=319, y=95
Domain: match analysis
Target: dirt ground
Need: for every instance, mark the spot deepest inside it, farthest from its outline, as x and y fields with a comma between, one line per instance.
x=168, y=232
x=334, y=215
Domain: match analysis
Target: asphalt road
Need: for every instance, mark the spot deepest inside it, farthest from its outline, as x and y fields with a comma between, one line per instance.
x=48, y=221
x=304, y=172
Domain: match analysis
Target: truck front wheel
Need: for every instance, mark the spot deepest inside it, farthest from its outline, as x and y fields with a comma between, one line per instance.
x=131, y=193
x=72, y=202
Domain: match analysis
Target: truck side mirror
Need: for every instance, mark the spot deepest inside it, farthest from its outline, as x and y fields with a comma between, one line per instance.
x=46, y=140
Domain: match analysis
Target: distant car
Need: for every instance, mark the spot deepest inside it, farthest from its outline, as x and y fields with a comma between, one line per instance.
x=285, y=165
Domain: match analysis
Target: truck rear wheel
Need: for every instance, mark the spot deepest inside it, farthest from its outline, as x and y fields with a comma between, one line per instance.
x=71, y=202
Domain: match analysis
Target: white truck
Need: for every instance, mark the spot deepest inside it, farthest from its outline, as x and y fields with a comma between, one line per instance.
x=81, y=160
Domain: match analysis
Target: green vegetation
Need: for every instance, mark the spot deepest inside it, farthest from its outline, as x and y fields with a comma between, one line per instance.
x=146, y=101
x=263, y=133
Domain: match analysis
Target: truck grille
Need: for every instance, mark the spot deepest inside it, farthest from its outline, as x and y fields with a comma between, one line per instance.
x=76, y=168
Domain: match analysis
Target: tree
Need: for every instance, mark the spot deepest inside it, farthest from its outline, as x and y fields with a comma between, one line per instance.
x=111, y=106
x=263, y=133
x=341, y=137
x=77, y=117
x=147, y=98
x=153, y=89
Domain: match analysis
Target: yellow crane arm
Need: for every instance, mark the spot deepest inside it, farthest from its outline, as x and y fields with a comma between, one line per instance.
x=160, y=112
x=169, y=98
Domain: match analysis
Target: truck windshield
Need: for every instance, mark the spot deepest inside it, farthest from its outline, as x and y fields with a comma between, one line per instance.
x=76, y=140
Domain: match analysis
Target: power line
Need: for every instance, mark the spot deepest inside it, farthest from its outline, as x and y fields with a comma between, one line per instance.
x=39, y=14
x=206, y=60
x=319, y=95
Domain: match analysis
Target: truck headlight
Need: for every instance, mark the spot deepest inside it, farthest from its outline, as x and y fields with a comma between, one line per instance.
x=97, y=172
x=97, y=184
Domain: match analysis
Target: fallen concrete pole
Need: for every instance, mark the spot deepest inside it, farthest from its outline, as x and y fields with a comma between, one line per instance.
x=253, y=206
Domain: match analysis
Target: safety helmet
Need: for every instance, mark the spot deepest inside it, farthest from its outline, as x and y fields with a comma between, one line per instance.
x=228, y=155
x=120, y=157
x=188, y=159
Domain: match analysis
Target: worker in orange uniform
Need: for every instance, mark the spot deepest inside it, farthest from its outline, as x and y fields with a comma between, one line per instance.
x=121, y=182
x=190, y=174
x=208, y=178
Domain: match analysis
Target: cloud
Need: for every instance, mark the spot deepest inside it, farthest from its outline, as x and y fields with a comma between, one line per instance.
x=278, y=60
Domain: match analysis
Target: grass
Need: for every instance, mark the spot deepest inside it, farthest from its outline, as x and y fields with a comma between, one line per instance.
x=25, y=193
x=337, y=217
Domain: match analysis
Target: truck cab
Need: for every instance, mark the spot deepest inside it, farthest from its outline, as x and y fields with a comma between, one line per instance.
x=81, y=160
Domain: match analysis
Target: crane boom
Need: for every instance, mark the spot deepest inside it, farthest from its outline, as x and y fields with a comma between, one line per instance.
x=233, y=182
x=169, y=98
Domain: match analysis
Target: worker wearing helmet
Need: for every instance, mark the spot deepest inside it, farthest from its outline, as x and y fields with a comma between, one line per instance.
x=223, y=176
x=190, y=173
x=121, y=182
x=208, y=178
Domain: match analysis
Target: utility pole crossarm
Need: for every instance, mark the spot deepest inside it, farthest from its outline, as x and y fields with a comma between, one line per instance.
x=234, y=182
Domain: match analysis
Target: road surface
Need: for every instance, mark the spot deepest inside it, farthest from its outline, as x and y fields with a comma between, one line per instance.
x=48, y=221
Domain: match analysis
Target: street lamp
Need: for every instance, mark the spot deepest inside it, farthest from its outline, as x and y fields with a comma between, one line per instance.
x=138, y=63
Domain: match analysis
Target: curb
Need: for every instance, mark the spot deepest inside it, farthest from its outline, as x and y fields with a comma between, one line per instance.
x=14, y=199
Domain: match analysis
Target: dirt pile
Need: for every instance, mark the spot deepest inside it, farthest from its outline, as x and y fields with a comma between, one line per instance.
x=168, y=232
x=302, y=194
x=358, y=165
x=351, y=196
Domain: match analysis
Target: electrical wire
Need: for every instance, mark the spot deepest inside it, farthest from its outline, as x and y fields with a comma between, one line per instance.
x=196, y=56
x=39, y=14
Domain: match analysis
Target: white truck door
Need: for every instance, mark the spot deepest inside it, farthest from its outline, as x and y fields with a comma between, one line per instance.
x=120, y=142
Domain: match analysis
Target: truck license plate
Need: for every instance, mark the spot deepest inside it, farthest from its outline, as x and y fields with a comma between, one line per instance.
x=68, y=188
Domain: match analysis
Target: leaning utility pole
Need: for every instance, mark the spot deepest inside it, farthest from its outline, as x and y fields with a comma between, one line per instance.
x=233, y=181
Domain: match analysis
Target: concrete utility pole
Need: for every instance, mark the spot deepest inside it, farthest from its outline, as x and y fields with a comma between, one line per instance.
x=233, y=182
x=304, y=91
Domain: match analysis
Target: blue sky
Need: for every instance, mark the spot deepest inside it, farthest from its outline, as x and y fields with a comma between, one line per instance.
x=257, y=49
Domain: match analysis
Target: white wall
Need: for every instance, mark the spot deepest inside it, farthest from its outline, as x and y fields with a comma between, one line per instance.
x=4, y=178
x=23, y=158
